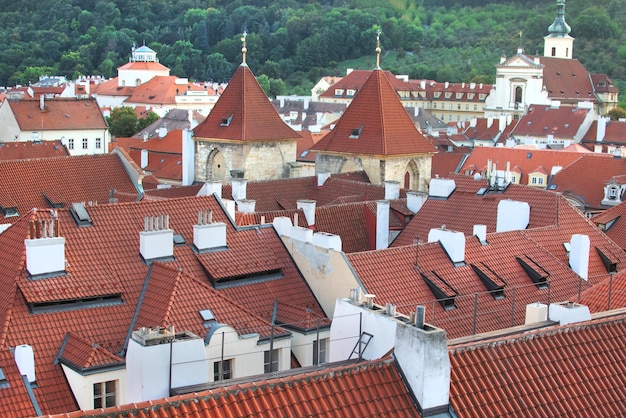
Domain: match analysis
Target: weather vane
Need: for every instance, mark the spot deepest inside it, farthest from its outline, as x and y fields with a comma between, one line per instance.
x=243, y=48
x=378, y=50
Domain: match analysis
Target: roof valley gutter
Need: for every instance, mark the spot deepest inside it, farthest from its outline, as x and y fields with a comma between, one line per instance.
x=137, y=309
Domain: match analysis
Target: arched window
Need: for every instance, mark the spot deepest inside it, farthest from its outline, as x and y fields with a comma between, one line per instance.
x=216, y=166
x=518, y=94
x=553, y=51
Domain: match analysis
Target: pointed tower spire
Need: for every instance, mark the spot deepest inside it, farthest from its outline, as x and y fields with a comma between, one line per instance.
x=378, y=50
x=243, y=47
x=559, y=43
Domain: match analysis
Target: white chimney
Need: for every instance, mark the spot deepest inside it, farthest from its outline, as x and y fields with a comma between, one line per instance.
x=239, y=189
x=322, y=176
x=230, y=207
x=501, y=123
x=453, y=242
x=301, y=234
x=382, y=224
x=188, y=157
x=282, y=225
x=423, y=84
x=392, y=190
x=422, y=354
x=555, y=104
x=45, y=249
x=159, y=359
x=512, y=215
x=536, y=312
x=208, y=235
x=579, y=255
x=144, y=158
x=415, y=200
x=568, y=313
x=441, y=188
x=446, y=84
x=25, y=360
x=489, y=121
x=308, y=207
x=480, y=232
x=502, y=59
x=601, y=128
x=211, y=188
x=326, y=240
x=42, y=104
x=157, y=239
x=246, y=205
x=473, y=122
x=509, y=119
x=472, y=86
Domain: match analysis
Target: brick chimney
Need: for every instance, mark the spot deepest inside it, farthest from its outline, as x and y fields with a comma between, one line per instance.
x=157, y=239
x=45, y=249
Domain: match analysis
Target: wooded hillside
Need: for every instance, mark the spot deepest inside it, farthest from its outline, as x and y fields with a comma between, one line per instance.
x=292, y=42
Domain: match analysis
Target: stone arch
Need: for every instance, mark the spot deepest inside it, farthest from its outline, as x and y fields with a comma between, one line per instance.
x=216, y=166
x=411, y=176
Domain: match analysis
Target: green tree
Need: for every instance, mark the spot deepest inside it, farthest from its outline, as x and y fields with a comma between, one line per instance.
x=617, y=113
x=277, y=87
x=264, y=82
x=146, y=121
x=122, y=122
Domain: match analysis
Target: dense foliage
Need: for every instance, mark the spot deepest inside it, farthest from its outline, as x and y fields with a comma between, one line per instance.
x=294, y=42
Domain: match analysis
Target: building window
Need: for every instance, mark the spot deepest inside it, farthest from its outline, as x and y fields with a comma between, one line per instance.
x=537, y=180
x=475, y=107
x=450, y=106
x=225, y=372
x=320, y=351
x=104, y=394
x=435, y=105
x=466, y=106
x=273, y=367
x=613, y=193
x=70, y=143
x=84, y=143
x=98, y=143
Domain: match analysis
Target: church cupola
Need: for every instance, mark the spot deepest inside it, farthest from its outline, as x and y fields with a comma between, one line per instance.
x=558, y=43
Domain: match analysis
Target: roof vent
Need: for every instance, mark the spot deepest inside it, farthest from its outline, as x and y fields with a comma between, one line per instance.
x=208, y=235
x=156, y=241
x=80, y=215
x=45, y=249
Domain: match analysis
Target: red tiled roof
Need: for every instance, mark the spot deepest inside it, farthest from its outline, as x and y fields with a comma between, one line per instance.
x=249, y=113
x=375, y=123
x=444, y=163
x=82, y=355
x=574, y=370
x=615, y=133
x=606, y=295
x=368, y=389
x=162, y=90
x=124, y=143
x=544, y=120
x=170, y=143
x=112, y=88
x=16, y=402
x=143, y=66
x=488, y=129
x=610, y=221
x=58, y=114
x=26, y=150
x=567, y=80
x=104, y=258
x=65, y=179
x=585, y=178
x=305, y=144
x=174, y=191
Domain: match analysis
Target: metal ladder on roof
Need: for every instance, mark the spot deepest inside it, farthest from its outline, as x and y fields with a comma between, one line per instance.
x=361, y=345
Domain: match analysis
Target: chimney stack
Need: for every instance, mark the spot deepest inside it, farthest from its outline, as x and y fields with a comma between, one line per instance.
x=239, y=189
x=157, y=239
x=392, y=190
x=382, y=224
x=246, y=205
x=601, y=128
x=415, y=200
x=422, y=354
x=208, y=235
x=480, y=232
x=211, y=188
x=144, y=158
x=45, y=249
x=453, y=243
x=512, y=215
x=441, y=188
x=322, y=176
x=579, y=255
x=308, y=207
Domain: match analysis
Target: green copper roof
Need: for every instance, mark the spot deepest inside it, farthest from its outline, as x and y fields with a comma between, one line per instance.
x=559, y=28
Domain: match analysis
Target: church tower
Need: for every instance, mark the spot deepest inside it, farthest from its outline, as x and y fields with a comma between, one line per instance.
x=559, y=44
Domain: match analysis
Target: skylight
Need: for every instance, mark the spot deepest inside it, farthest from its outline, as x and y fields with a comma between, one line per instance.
x=226, y=121
x=4, y=383
x=356, y=132
x=207, y=315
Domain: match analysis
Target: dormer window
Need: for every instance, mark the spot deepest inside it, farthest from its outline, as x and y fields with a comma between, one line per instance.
x=338, y=92
x=350, y=92
x=613, y=193
x=226, y=121
x=356, y=132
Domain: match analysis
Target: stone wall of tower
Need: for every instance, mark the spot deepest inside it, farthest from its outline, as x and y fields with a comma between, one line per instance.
x=379, y=170
x=257, y=160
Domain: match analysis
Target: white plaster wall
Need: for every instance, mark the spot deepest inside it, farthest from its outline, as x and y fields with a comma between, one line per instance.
x=302, y=346
x=77, y=135
x=82, y=386
x=344, y=331
x=10, y=128
x=327, y=272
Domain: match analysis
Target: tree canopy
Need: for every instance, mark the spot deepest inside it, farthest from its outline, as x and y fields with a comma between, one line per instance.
x=296, y=41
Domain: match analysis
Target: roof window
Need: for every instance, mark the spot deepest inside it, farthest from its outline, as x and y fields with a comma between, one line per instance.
x=226, y=121
x=356, y=132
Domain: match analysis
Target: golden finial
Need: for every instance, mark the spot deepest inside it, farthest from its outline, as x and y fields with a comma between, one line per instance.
x=243, y=48
x=378, y=50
